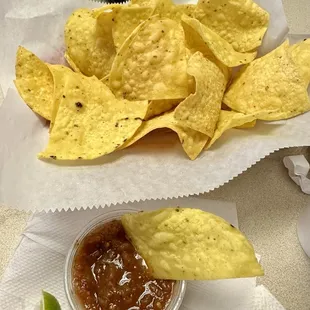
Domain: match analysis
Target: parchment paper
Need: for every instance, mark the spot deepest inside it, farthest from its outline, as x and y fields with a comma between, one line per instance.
x=155, y=168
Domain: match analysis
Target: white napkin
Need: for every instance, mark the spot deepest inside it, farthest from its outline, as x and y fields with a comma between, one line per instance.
x=38, y=262
x=298, y=169
x=264, y=300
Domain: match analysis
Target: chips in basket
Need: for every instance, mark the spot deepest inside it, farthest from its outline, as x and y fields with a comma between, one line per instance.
x=242, y=23
x=192, y=141
x=200, y=111
x=89, y=42
x=153, y=64
x=34, y=82
x=90, y=121
x=273, y=83
x=221, y=49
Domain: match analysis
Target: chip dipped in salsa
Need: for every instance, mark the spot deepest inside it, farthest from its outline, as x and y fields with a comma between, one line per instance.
x=108, y=273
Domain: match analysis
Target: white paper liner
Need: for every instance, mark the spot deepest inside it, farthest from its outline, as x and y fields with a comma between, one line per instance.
x=155, y=168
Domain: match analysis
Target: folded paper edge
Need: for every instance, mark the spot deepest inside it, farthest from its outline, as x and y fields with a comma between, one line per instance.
x=166, y=198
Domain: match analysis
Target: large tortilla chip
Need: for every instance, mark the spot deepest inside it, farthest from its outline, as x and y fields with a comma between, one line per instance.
x=89, y=42
x=126, y=20
x=242, y=23
x=151, y=64
x=90, y=122
x=271, y=83
x=189, y=244
x=300, y=53
x=231, y=119
x=200, y=111
x=34, y=82
x=192, y=141
x=195, y=43
x=218, y=46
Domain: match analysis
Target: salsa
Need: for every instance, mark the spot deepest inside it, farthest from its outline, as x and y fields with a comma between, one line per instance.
x=108, y=274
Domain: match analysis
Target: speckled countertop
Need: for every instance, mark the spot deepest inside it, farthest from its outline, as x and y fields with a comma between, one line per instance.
x=268, y=204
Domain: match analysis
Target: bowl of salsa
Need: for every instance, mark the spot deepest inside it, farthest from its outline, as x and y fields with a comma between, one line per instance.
x=103, y=271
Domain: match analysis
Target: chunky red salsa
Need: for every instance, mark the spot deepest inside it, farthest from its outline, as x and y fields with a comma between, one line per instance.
x=108, y=274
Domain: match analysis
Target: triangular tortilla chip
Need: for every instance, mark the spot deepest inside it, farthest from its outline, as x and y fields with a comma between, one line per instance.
x=218, y=46
x=272, y=83
x=151, y=64
x=90, y=121
x=200, y=111
x=192, y=141
x=89, y=41
x=189, y=244
x=242, y=23
x=34, y=82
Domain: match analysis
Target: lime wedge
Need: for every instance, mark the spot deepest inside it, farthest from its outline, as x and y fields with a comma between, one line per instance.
x=49, y=302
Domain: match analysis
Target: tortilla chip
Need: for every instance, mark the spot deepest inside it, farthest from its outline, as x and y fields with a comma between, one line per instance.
x=242, y=23
x=300, y=53
x=271, y=83
x=90, y=122
x=34, y=82
x=218, y=46
x=195, y=43
x=189, y=244
x=192, y=141
x=228, y=120
x=200, y=111
x=157, y=107
x=89, y=42
x=151, y=64
x=126, y=20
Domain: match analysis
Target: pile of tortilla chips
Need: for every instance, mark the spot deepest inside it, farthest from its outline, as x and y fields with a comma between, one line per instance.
x=152, y=64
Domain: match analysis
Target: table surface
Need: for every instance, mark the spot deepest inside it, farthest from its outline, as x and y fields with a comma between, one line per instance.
x=268, y=204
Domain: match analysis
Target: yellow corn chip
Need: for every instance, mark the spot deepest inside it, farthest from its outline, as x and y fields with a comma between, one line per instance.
x=200, y=111
x=151, y=64
x=300, y=53
x=192, y=141
x=90, y=122
x=272, y=83
x=228, y=120
x=89, y=42
x=195, y=43
x=218, y=46
x=126, y=20
x=189, y=244
x=34, y=82
x=242, y=23
x=157, y=107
